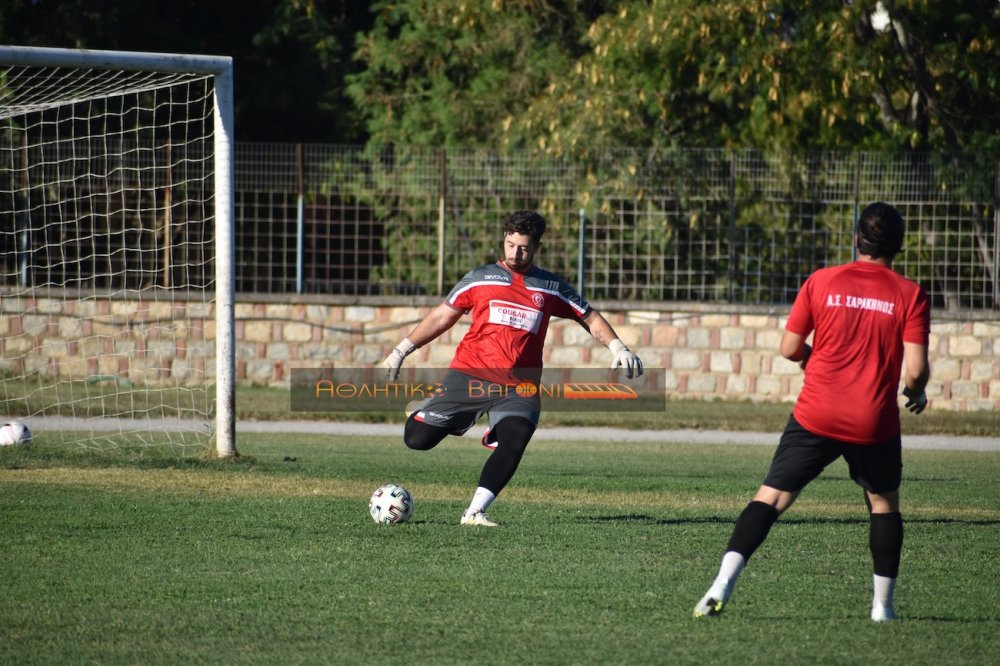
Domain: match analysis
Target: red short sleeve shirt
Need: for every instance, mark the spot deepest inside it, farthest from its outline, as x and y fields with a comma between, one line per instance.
x=510, y=316
x=861, y=313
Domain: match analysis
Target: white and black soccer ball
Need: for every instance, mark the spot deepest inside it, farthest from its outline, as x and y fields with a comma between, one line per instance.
x=14, y=433
x=391, y=503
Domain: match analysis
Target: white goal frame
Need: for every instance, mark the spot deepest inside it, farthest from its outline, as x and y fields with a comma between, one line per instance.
x=221, y=69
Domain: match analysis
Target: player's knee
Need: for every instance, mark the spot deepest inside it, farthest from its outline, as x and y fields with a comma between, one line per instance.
x=422, y=437
x=515, y=432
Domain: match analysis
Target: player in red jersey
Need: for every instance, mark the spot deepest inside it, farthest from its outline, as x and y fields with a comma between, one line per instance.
x=510, y=302
x=868, y=323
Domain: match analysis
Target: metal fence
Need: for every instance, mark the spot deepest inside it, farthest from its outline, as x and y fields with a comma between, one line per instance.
x=632, y=226
x=626, y=225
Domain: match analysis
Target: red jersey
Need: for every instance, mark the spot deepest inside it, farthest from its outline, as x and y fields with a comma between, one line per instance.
x=861, y=313
x=510, y=317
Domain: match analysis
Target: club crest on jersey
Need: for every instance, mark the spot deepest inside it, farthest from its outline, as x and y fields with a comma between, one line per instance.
x=538, y=300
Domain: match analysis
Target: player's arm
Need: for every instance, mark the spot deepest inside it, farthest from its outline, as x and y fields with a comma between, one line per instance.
x=916, y=374
x=437, y=321
x=793, y=347
x=598, y=326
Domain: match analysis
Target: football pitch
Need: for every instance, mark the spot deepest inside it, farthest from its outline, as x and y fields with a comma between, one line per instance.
x=603, y=550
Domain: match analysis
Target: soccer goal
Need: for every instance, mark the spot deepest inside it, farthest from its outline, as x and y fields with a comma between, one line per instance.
x=117, y=247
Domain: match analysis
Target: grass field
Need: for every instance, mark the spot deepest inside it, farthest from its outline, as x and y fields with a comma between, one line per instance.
x=271, y=404
x=87, y=400
x=137, y=556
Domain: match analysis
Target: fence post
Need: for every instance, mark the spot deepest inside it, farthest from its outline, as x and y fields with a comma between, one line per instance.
x=996, y=234
x=300, y=223
x=442, y=197
x=857, y=207
x=581, y=251
x=731, y=287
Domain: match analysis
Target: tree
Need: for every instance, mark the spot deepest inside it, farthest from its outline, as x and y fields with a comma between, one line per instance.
x=778, y=75
x=451, y=72
x=566, y=75
x=290, y=57
x=304, y=54
x=936, y=73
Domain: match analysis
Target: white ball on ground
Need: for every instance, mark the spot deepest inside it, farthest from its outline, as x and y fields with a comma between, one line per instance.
x=390, y=503
x=14, y=433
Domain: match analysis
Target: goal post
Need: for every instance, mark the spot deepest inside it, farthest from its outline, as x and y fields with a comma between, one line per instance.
x=117, y=245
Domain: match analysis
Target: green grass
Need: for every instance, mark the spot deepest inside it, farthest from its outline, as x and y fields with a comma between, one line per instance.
x=270, y=404
x=143, y=557
x=96, y=399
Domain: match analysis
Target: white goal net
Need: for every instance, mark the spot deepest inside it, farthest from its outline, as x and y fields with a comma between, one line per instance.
x=116, y=204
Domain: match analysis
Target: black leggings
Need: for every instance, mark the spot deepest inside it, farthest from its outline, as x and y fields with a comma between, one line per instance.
x=513, y=434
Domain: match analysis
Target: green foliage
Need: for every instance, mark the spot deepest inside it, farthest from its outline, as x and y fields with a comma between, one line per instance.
x=408, y=188
x=613, y=88
x=301, y=53
x=764, y=74
x=936, y=82
x=564, y=77
x=453, y=72
x=290, y=57
x=780, y=78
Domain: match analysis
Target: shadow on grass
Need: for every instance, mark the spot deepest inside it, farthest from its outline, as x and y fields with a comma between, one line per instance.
x=694, y=520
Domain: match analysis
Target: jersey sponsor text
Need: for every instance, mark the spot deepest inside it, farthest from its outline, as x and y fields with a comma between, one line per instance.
x=516, y=316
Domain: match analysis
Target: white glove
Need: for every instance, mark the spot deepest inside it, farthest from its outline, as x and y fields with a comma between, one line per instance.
x=624, y=358
x=394, y=361
x=915, y=403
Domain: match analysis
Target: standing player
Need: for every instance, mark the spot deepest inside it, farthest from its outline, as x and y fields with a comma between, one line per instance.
x=868, y=322
x=511, y=302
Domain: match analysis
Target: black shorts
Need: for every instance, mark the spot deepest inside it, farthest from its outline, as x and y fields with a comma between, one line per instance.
x=802, y=455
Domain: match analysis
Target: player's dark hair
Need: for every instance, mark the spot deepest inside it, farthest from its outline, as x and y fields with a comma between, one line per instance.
x=880, y=231
x=526, y=222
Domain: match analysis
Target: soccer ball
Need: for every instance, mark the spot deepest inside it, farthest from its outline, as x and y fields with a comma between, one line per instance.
x=390, y=504
x=13, y=433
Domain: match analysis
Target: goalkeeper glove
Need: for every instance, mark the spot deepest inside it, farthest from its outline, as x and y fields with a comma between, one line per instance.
x=394, y=361
x=624, y=358
x=915, y=403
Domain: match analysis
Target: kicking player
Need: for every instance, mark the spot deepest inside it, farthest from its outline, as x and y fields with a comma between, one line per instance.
x=510, y=302
x=868, y=322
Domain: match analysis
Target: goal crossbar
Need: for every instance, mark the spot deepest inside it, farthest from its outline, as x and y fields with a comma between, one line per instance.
x=220, y=68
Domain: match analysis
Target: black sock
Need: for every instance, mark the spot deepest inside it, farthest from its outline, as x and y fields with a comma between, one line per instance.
x=885, y=539
x=751, y=528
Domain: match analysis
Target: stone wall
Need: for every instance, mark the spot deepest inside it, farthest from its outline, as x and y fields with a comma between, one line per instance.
x=706, y=354
x=707, y=351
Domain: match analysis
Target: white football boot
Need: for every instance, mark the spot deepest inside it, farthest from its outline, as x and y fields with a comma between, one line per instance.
x=883, y=613
x=478, y=518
